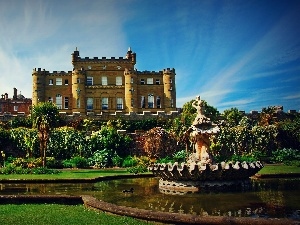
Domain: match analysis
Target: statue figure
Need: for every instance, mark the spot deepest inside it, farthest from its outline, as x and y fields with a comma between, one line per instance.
x=198, y=104
x=200, y=119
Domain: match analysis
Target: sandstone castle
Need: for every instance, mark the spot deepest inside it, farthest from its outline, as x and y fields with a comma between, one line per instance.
x=106, y=85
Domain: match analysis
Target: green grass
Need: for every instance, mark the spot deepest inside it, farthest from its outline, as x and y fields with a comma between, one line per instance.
x=69, y=174
x=55, y=214
x=279, y=169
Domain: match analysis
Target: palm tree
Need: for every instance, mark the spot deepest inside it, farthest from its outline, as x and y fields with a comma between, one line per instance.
x=45, y=117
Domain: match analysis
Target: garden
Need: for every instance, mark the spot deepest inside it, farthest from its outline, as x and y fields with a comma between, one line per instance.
x=48, y=146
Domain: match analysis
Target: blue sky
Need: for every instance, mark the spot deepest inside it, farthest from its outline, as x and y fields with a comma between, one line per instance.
x=233, y=53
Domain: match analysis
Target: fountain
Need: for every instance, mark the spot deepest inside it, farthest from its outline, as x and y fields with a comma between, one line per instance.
x=199, y=172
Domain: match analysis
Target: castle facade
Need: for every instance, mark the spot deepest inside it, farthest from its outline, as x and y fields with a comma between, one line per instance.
x=102, y=85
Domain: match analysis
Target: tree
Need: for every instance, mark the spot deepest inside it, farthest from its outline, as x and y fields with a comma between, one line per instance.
x=232, y=116
x=158, y=143
x=44, y=116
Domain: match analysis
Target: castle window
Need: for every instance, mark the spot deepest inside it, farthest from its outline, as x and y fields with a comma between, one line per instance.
x=89, y=81
x=172, y=103
x=150, y=101
x=104, y=103
x=50, y=99
x=78, y=103
x=78, y=80
x=131, y=80
x=104, y=80
x=58, y=81
x=118, y=80
x=66, y=102
x=58, y=101
x=171, y=81
x=132, y=101
x=66, y=82
x=119, y=103
x=16, y=108
x=149, y=80
x=157, y=81
x=142, y=81
x=51, y=82
x=89, y=103
x=158, y=102
x=143, y=105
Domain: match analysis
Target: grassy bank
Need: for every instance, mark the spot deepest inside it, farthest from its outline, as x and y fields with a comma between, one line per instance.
x=69, y=174
x=43, y=214
x=278, y=169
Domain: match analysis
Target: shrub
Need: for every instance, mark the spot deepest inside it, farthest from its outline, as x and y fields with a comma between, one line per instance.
x=130, y=161
x=76, y=162
x=285, y=155
x=101, y=159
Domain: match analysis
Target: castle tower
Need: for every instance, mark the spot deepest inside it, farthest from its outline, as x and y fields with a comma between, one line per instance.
x=78, y=90
x=130, y=90
x=38, y=88
x=169, y=89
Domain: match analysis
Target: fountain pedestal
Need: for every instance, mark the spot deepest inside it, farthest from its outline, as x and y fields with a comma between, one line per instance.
x=199, y=173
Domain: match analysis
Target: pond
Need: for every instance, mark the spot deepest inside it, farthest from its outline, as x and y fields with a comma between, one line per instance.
x=270, y=198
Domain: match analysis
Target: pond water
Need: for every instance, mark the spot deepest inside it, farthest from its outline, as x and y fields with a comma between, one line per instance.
x=270, y=198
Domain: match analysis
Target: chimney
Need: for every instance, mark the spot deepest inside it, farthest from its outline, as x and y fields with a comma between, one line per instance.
x=15, y=93
x=5, y=96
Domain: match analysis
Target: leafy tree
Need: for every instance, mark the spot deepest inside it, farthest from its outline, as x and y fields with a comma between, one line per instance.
x=158, y=143
x=289, y=133
x=109, y=138
x=232, y=116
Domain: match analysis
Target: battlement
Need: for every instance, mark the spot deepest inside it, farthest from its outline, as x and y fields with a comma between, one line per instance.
x=54, y=73
x=169, y=71
x=149, y=72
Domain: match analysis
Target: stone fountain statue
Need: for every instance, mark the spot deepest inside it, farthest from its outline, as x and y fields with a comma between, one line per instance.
x=200, y=172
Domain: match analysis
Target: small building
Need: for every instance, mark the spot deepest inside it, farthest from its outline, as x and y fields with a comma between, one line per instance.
x=106, y=85
x=17, y=105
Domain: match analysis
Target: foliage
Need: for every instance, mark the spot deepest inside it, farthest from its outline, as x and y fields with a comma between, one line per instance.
x=284, y=155
x=141, y=166
x=244, y=139
x=66, y=142
x=232, y=116
x=109, y=138
x=159, y=143
x=180, y=156
x=20, y=122
x=289, y=133
x=46, y=109
x=130, y=161
x=13, y=169
x=4, y=137
x=26, y=141
x=102, y=158
x=76, y=162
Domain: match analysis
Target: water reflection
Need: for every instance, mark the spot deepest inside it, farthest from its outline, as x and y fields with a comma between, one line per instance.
x=267, y=198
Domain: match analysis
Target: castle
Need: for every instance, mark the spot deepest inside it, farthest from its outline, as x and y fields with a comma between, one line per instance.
x=103, y=85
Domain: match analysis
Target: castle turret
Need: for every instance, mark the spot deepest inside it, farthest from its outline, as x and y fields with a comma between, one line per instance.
x=130, y=90
x=78, y=90
x=169, y=89
x=75, y=56
x=38, y=91
x=131, y=56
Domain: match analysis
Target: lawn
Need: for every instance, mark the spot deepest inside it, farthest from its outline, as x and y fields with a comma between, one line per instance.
x=69, y=174
x=279, y=169
x=43, y=214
